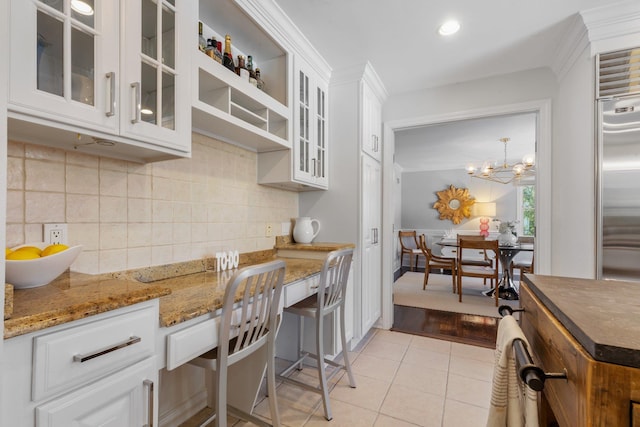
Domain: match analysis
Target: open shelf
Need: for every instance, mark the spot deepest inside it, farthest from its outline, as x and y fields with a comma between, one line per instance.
x=228, y=106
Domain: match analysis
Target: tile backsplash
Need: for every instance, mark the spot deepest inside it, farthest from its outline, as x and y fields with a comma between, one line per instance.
x=129, y=215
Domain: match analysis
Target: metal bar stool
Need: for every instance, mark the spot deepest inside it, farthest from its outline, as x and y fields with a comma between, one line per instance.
x=248, y=325
x=330, y=296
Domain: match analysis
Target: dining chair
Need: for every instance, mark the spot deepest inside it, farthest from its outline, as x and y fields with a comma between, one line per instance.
x=436, y=262
x=484, y=261
x=330, y=297
x=525, y=266
x=248, y=323
x=409, y=245
x=481, y=271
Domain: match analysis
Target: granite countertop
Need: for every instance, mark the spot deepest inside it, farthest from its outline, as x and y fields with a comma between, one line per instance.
x=315, y=246
x=201, y=293
x=74, y=296
x=602, y=315
x=185, y=291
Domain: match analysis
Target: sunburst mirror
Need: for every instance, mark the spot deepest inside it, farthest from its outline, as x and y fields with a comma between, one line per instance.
x=454, y=204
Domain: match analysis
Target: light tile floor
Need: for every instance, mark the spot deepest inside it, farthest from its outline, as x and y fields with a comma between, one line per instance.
x=402, y=380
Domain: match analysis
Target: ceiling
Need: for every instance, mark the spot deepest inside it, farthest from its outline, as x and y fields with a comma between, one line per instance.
x=474, y=141
x=401, y=41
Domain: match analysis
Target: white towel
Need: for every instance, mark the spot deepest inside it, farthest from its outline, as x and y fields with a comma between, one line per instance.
x=513, y=403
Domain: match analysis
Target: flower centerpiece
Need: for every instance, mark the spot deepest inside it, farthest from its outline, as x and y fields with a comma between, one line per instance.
x=508, y=235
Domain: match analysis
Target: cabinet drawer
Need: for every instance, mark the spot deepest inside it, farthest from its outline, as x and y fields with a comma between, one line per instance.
x=74, y=356
x=298, y=291
x=635, y=414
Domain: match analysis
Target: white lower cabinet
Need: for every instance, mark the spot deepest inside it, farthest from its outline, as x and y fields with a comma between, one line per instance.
x=126, y=398
x=97, y=371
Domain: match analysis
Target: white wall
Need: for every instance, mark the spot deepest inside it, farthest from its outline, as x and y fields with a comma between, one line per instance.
x=573, y=175
x=539, y=83
x=419, y=194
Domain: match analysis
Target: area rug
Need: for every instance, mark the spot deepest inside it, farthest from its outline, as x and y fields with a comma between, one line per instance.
x=407, y=291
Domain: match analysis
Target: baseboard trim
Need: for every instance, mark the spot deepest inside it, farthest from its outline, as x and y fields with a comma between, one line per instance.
x=179, y=414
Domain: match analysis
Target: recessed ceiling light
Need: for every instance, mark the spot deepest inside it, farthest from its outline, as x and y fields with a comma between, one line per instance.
x=449, y=28
x=82, y=7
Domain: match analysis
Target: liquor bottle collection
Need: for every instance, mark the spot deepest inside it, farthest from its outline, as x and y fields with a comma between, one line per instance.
x=242, y=67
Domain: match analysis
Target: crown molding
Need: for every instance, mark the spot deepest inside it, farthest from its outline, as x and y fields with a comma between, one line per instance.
x=361, y=71
x=613, y=27
x=269, y=15
x=572, y=44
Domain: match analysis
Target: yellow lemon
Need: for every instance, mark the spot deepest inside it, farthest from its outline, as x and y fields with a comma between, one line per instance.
x=33, y=249
x=54, y=249
x=22, y=255
x=7, y=252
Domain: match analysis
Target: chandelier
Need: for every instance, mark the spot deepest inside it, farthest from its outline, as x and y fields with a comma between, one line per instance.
x=504, y=173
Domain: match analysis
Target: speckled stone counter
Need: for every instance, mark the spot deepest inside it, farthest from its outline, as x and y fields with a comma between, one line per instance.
x=186, y=291
x=8, y=300
x=201, y=293
x=603, y=316
x=286, y=247
x=74, y=296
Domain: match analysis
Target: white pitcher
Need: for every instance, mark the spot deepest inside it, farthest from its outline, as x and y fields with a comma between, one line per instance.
x=303, y=230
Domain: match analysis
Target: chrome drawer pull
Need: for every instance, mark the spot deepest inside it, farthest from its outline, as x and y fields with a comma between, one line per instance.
x=112, y=94
x=149, y=384
x=84, y=357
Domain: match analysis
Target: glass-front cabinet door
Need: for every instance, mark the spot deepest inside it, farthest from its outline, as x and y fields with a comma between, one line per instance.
x=321, y=157
x=67, y=65
x=155, y=97
x=310, y=144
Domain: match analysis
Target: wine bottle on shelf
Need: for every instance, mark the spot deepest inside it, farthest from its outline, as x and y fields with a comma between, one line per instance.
x=202, y=43
x=242, y=68
x=260, y=82
x=252, y=73
x=218, y=52
x=209, y=49
x=227, y=59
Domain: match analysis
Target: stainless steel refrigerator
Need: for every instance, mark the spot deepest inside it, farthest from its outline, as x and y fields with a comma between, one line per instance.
x=618, y=252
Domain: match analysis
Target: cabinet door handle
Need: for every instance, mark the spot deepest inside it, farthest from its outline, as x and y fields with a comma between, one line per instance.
x=136, y=99
x=112, y=94
x=315, y=172
x=149, y=384
x=84, y=357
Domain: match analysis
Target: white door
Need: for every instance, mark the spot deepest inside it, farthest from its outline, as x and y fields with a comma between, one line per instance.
x=371, y=273
x=124, y=399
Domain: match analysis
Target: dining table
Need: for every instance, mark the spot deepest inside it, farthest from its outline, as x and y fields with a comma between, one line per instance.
x=506, y=254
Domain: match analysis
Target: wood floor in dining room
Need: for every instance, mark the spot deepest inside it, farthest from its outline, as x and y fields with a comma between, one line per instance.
x=457, y=327
x=469, y=329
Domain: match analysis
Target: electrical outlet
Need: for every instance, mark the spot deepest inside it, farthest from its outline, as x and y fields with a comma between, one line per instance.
x=55, y=233
x=268, y=231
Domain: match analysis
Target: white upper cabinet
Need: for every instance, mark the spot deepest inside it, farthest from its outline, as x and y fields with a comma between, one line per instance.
x=105, y=77
x=304, y=164
x=310, y=154
x=64, y=63
x=371, y=122
x=155, y=100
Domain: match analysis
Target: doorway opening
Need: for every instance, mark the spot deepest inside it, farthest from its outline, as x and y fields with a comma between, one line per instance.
x=393, y=178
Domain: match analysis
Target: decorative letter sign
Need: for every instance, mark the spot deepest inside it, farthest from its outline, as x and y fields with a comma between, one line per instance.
x=227, y=260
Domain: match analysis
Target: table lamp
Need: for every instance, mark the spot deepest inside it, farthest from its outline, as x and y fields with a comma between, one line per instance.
x=485, y=210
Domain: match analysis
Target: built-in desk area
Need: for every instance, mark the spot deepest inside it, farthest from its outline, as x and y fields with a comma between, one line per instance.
x=157, y=318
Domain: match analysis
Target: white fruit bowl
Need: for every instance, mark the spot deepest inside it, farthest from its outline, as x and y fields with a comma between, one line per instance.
x=31, y=273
